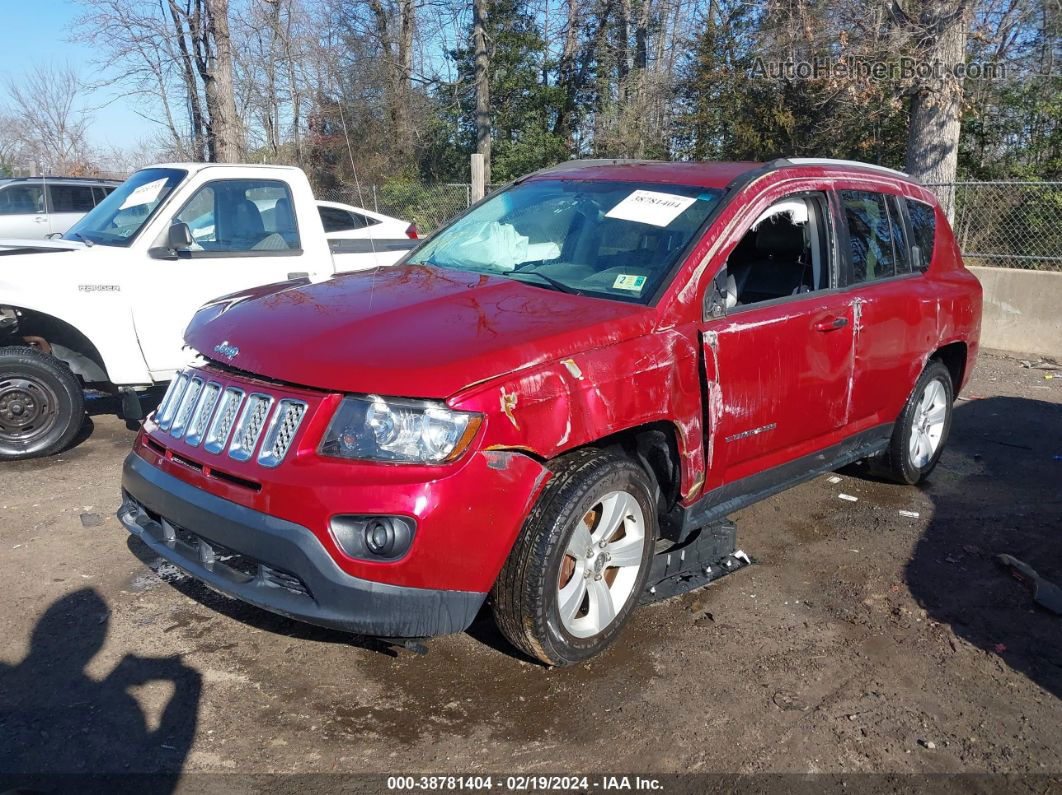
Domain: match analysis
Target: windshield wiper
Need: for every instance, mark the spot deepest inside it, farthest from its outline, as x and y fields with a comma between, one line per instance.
x=554, y=283
x=83, y=239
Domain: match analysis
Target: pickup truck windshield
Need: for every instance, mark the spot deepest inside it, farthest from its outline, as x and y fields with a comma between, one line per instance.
x=608, y=239
x=116, y=220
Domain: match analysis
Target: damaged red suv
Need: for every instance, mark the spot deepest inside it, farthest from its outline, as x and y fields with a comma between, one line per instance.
x=552, y=404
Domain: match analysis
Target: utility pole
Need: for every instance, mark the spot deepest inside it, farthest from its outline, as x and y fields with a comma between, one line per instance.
x=479, y=38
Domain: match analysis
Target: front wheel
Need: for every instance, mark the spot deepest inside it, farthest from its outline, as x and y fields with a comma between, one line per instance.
x=920, y=433
x=41, y=404
x=581, y=561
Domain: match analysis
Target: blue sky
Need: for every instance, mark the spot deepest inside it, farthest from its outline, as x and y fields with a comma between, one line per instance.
x=40, y=32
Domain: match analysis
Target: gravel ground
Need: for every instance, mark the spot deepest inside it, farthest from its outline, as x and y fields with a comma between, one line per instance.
x=863, y=640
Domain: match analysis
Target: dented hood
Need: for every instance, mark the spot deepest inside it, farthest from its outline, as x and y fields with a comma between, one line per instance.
x=407, y=331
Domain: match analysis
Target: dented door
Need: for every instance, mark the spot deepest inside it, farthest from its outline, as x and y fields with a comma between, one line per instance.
x=779, y=382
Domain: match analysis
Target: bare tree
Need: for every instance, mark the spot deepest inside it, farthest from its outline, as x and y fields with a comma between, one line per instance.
x=46, y=113
x=939, y=30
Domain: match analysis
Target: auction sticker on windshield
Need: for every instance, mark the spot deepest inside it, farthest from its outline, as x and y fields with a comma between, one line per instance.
x=651, y=207
x=145, y=194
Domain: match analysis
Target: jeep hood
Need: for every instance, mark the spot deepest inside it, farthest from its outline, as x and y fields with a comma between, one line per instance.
x=407, y=331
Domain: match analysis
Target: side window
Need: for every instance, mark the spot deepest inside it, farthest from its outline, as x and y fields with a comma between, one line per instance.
x=21, y=200
x=363, y=220
x=99, y=194
x=901, y=245
x=785, y=252
x=336, y=220
x=70, y=198
x=871, y=236
x=240, y=215
x=923, y=229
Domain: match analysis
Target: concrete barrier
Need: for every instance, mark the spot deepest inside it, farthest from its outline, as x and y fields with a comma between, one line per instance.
x=1022, y=311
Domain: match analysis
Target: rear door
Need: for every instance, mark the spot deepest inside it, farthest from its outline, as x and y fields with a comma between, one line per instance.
x=895, y=303
x=22, y=211
x=779, y=364
x=236, y=245
x=66, y=204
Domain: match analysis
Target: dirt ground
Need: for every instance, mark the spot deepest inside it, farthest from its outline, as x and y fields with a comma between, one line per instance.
x=863, y=640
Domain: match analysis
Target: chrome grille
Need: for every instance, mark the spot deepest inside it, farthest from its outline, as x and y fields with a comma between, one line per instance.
x=250, y=426
x=218, y=433
x=172, y=399
x=184, y=411
x=201, y=416
x=282, y=428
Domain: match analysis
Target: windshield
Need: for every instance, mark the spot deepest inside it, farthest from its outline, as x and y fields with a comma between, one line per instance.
x=608, y=239
x=116, y=220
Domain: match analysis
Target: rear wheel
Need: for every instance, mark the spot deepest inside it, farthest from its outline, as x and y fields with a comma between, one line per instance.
x=41, y=404
x=576, y=571
x=922, y=430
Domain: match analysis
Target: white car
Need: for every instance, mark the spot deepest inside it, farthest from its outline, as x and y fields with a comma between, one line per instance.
x=106, y=305
x=35, y=208
x=344, y=222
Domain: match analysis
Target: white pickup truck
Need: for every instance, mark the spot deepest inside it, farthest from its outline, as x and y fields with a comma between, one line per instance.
x=106, y=306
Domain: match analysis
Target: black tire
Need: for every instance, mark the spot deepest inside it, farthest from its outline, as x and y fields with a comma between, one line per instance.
x=42, y=406
x=525, y=596
x=899, y=463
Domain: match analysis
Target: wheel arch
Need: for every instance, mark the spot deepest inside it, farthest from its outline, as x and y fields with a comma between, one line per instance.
x=60, y=339
x=954, y=356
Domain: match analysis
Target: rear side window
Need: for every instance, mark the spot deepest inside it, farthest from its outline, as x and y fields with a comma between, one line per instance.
x=924, y=230
x=21, y=200
x=876, y=242
x=71, y=198
x=336, y=220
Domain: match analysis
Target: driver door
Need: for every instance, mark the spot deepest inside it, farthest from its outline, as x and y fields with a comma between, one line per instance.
x=243, y=233
x=779, y=363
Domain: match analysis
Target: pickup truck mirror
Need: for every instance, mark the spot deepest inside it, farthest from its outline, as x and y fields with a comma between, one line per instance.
x=715, y=297
x=179, y=237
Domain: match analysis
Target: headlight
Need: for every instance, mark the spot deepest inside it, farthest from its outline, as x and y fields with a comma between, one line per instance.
x=372, y=428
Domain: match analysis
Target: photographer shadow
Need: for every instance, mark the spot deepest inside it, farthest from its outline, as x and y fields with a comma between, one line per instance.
x=56, y=721
x=998, y=489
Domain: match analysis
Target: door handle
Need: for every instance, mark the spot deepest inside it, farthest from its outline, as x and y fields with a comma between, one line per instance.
x=298, y=275
x=831, y=324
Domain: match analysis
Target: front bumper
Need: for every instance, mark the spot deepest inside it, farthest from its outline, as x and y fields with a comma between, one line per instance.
x=276, y=564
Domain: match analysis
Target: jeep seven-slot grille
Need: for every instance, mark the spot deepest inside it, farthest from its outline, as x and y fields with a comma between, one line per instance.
x=204, y=412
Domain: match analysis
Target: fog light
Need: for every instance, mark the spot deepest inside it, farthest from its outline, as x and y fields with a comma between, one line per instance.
x=376, y=538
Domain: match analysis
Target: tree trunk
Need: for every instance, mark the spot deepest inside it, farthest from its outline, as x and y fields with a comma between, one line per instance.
x=482, y=86
x=936, y=106
x=220, y=90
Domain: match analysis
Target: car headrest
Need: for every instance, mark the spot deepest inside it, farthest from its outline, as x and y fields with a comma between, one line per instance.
x=779, y=235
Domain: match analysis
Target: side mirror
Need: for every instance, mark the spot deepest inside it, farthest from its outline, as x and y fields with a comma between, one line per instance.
x=715, y=297
x=179, y=237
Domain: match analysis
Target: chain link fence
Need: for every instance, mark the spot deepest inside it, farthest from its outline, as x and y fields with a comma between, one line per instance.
x=429, y=206
x=1008, y=224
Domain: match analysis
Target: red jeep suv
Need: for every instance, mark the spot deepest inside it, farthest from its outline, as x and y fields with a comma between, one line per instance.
x=556, y=400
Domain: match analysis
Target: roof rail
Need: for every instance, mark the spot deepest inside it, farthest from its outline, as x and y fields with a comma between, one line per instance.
x=66, y=179
x=829, y=161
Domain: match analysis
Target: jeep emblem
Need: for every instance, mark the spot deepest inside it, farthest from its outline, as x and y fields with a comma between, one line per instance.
x=227, y=350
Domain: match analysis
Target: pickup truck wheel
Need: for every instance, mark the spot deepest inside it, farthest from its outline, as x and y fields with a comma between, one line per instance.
x=41, y=404
x=919, y=436
x=581, y=561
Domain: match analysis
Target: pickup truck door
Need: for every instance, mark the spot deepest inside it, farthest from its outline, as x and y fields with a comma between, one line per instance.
x=244, y=234
x=779, y=364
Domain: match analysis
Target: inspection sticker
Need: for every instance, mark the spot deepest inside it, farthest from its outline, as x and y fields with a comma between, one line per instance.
x=651, y=207
x=627, y=281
